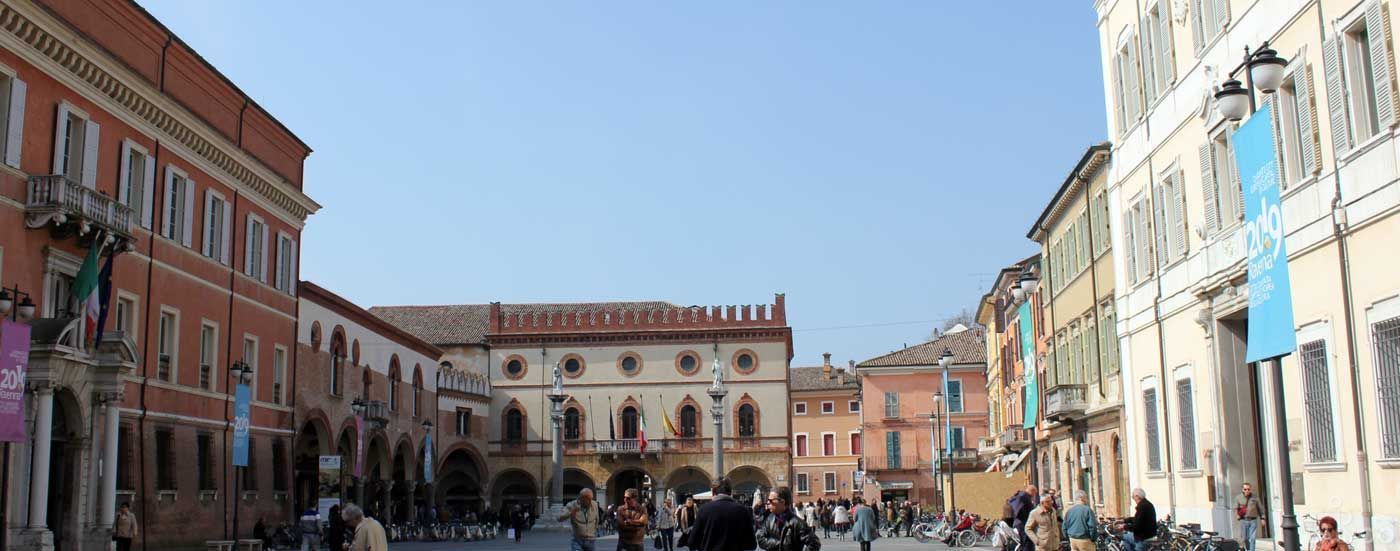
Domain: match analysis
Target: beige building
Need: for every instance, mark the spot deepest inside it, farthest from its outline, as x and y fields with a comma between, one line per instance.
x=624, y=366
x=1192, y=406
x=826, y=438
x=1081, y=437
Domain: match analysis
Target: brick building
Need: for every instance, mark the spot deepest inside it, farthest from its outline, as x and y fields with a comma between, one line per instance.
x=897, y=391
x=826, y=439
x=118, y=133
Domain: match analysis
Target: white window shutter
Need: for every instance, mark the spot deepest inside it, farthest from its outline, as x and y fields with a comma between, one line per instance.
x=1134, y=81
x=124, y=182
x=1208, y=187
x=1130, y=258
x=293, y=275
x=1198, y=37
x=1119, y=94
x=149, y=191
x=1178, y=199
x=1222, y=14
x=248, y=246
x=14, y=138
x=1159, y=223
x=1307, y=119
x=1166, y=55
x=91, y=143
x=167, y=224
x=188, y=237
x=227, y=242
x=59, y=129
x=207, y=234
x=1336, y=96
x=1149, y=52
x=262, y=261
x=1271, y=101
x=281, y=262
x=1378, y=26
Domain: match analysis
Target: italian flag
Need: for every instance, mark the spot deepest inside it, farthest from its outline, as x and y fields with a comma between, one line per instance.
x=642, y=431
x=85, y=289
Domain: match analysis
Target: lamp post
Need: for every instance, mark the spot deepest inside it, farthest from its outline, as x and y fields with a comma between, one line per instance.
x=1264, y=73
x=242, y=374
x=428, y=456
x=937, y=450
x=944, y=361
x=24, y=312
x=1025, y=288
x=358, y=407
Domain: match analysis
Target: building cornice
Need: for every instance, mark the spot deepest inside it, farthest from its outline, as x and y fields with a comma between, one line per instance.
x=1089, y=165
x=47, y=42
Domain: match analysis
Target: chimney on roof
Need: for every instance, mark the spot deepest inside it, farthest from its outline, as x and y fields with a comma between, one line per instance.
x=826, y=365
x=851, y=366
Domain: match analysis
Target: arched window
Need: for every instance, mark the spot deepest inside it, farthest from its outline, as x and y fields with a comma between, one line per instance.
x=366, y=379
x=572, y=428
x=394, y=376
x=515, y=426
x=417, y=390
x=1098, y=475
x=337, y=361
x=629, y=422
x=689, y=421
x=747, y=424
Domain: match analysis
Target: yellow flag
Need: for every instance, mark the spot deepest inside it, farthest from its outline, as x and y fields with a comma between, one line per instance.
x=666, y=420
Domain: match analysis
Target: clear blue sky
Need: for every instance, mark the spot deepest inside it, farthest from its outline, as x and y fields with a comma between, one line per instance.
x=876, y=161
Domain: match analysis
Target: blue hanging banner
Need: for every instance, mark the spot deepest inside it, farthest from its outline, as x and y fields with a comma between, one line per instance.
x=1271, y=331
x=428, y=459
x=242, y=412
x=1028, y=366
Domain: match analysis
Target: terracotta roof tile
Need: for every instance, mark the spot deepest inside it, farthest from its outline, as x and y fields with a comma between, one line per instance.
x=968, y=346
x=810, y=378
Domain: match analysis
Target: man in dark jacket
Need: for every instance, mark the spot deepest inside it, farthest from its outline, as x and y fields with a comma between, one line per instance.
x=1143, y=525
x=782, y=529
x=1022, y=504
x=723, y=524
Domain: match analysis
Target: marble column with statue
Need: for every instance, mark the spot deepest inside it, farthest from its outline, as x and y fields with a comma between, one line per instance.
x=549, y=519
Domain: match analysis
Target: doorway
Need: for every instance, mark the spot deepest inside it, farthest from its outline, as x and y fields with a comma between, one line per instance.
x=627, y=479
x=1243, y=456
x=62, y=457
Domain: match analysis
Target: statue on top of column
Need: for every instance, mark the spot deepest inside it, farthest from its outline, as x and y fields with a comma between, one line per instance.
x=558, y=380
x=718, y=373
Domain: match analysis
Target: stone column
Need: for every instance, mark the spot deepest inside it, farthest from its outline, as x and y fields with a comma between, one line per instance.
x=556, y=414
x=108, y=507
x=717, y=393
x=43, y=440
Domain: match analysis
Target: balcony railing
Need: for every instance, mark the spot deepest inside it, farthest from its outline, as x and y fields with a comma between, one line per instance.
x=1014, y=438
x=632, y=447
x=55, y=198
x=988, y=446
x=893, y=462
x=377, y=413
x=1066, y=402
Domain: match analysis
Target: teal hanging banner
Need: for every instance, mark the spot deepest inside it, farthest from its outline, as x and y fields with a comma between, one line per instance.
x=242, y=417
x=1271, y=333
x=428, y=459
x=1028, y=366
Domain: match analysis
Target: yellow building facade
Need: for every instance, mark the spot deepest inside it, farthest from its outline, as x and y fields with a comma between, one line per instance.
x=826, y=436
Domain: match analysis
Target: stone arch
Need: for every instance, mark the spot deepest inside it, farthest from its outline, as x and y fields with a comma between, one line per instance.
x=740, y=422
x=575, y=480
x=477, y=460
x=624, y=478
x=699, y=417
x=457, y=481
x=688, y=480
x=746, y=479
x=514, y=487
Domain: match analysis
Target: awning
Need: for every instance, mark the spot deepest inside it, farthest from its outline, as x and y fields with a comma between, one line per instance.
x=901, y=485
x=1017, y=463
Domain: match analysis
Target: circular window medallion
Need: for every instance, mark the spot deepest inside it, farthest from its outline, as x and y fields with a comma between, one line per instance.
x=572, y=366
x=745, y=361
x=687, y=362
x=629, y=363
x=514, y=367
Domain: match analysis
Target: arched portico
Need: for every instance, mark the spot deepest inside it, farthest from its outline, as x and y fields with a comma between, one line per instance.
x=626, y=478
x=514, y=487
x=687, y=481
x=748, y=479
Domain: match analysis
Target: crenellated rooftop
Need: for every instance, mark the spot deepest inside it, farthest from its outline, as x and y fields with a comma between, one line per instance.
x=505, y=320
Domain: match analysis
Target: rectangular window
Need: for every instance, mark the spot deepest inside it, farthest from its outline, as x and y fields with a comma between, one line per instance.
x=855, y=443
x=1139, y=233
x=1296, y=126
x=464, y=422
x=1159, y=66
x=286, y=263
x=891, y=405
x=1361, y=80
x=1169, y=218
x=205, y=456
x=828, y=408
x=1224, y=201
x=829, y=482
x=279, y=373
x=250, y=357
x=75, y=146
x=208, y=350
x=1101, y=228
x=955, y=396
x=134, y=181
x=857, y=481
x=165, y=459
x=1317, y=402
x=1208, y=19
x=179, y=207
x=169, y=333
x=892, y=450
x=1186, y=413
x=59, y=299
x=1109, y=341
x=1150, y=426
x=279, y=465
x=255, y=249
x=250, y=472
x=217, y=229
x=799, y=408
x=828, y=445
x=1386, y=338
x=853, y=406
x=126, y=316
x=801, y=445
x=12, y=97
x=955, y=438
x=1128, y=84
x=803, y=486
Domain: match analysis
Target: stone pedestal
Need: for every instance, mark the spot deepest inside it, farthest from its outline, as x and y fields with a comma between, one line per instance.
x=549, y=519
x=34, y=539
x=98, y=538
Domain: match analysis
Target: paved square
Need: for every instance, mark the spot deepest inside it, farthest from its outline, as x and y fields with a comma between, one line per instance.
x=541, y=541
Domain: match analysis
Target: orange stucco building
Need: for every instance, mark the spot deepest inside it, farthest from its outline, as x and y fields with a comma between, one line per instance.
x=826, y=438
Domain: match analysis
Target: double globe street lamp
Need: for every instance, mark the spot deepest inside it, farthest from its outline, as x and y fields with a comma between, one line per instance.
x=1264, y=73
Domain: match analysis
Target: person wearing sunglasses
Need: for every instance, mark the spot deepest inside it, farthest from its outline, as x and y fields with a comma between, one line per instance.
x=782, y=529
x=1327, y=528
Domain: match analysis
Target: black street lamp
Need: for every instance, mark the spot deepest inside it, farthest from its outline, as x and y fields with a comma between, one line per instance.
x=1025, y=288
x=1263, y=72
x=945, y=360
x=242, y=373
x=24, y=312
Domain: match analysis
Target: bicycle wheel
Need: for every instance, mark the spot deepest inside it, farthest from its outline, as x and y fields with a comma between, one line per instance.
x=966, y=538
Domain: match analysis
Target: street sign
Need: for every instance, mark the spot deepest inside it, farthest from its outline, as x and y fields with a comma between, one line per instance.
x=1271, y=333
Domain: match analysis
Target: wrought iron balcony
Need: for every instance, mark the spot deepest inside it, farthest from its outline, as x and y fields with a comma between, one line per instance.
x=56, y=200
x=1066, y=402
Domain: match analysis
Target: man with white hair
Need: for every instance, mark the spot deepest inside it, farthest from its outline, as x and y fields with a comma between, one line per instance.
x=583, y=514
x=369, y=534
x=1080, y=524
x=1043, y=526
x=1143, y=525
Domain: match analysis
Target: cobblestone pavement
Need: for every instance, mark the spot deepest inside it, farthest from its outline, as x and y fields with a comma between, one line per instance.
x=541, y=541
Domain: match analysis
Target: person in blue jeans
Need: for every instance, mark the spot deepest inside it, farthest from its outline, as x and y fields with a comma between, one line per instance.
x=1250, y=514
x=1143, y=525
